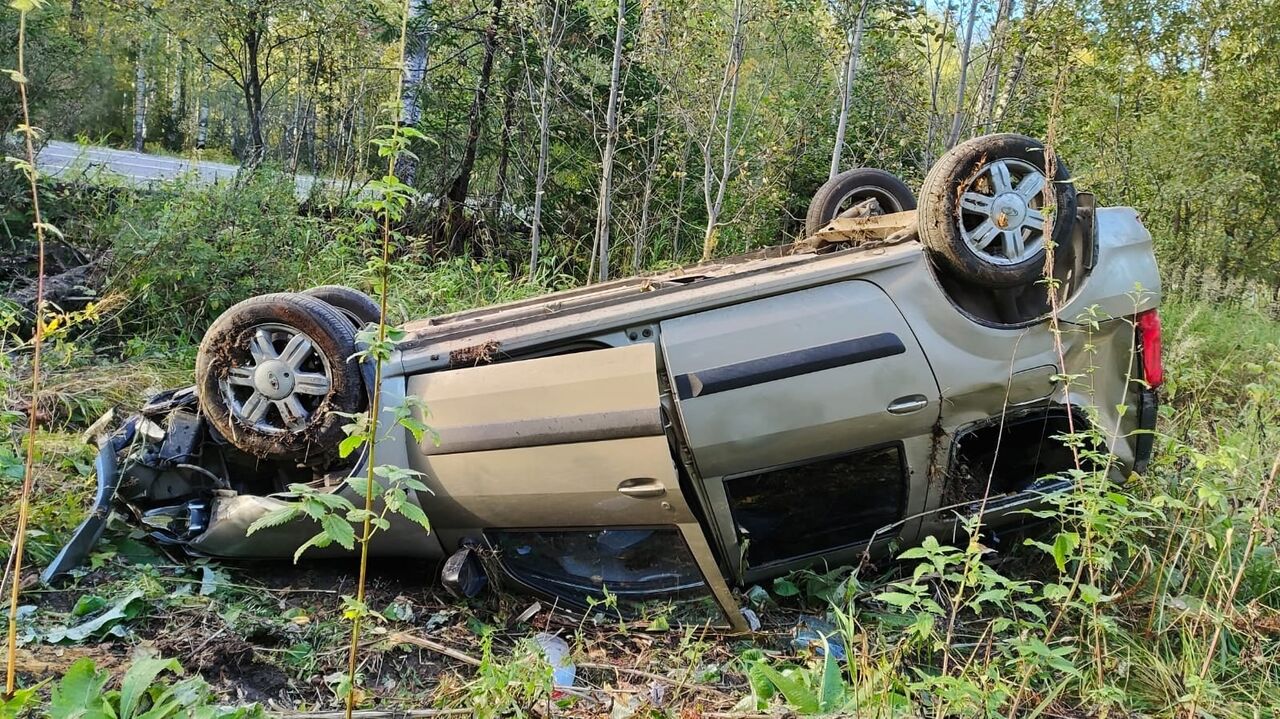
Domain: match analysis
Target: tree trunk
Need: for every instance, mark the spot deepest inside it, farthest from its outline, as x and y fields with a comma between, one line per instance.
x=461, y=185
x=679, y=213
x=990, y=84
x=139, y=102
x=417, y=45
x=1015, y=72
x=957, y=120
x=255, y=150
x=605, y=208
x=854, y=38
x=729, y=86
x=202, y=120
x=651, y=167
x=934, y=84
x=504, y=144
x=550, y=42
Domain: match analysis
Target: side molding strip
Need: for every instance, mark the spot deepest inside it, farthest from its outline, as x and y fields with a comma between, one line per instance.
x=788, y=364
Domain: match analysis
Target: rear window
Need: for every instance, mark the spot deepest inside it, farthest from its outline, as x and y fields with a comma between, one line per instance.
x=821, y=506
x=637, y=572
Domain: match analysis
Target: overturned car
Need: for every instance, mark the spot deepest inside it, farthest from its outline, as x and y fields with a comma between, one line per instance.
x=663, y=438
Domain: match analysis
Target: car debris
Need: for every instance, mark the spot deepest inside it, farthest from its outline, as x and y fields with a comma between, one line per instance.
x=653, y=442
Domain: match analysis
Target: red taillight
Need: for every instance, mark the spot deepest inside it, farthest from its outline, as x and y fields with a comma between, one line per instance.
x=1148, y=323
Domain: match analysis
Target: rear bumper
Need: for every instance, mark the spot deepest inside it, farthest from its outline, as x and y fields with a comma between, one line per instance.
x=86, y=536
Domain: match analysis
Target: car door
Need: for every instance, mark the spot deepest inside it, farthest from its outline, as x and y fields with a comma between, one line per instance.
x=809, y=418
x=562, y=465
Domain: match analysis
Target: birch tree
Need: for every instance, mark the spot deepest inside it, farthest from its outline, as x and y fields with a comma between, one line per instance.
x=990, y=84
x=416, y=52
x=720, y=133
x=958, y=117
x=550, y=30
x=139, y=101
x=604, y=214
x=853, y=35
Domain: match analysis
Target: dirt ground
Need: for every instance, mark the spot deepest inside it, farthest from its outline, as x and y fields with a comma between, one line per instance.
x=273, y=633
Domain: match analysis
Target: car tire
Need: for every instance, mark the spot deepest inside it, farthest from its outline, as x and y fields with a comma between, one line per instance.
x=975, y=192
x=356, y=306
x=852, y=187
x=273, y=373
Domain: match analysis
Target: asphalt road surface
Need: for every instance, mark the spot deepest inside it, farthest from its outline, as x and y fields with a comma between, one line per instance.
x=68, y=159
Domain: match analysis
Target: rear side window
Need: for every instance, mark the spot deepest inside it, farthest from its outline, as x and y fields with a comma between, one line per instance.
x=825, y=505
x=639, y=571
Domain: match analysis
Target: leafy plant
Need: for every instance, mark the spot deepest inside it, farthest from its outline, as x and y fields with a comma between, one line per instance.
x=82, y=694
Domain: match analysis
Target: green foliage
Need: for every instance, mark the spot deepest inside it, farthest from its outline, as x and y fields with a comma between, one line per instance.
x=82, y=694
x=511, y=687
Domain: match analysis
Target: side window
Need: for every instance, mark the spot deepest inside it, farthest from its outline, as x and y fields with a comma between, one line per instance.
x=821, y=506
x=648, y=570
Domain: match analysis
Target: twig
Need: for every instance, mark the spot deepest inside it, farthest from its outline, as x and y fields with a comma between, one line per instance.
x=423, y=643
x=405, y=638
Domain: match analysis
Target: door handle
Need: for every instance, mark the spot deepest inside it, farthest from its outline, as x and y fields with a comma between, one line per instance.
x=641, y=488
x=907, y=405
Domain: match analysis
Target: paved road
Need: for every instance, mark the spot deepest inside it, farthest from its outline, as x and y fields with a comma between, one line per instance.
x=69, y=158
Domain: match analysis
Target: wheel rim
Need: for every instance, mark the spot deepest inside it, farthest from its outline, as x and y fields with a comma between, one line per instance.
x=284, y=383
x=888, y=203
x=1001, y=220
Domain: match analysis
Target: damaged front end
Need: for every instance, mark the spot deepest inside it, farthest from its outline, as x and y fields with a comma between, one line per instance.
x=174, y=476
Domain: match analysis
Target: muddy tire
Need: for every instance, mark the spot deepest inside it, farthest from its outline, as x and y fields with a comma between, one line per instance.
x=981, y=210
x=356, y=306
x=272, y=373
x=852, y=187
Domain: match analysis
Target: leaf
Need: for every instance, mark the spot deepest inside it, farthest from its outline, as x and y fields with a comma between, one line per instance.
x=784, y=587
x=138, y=679
x=274, y=518
x=1063, y=545
x=339, y=530
x=797, y=694
x=99, y=624
x=79, y=695
x=17, y=703
x=320, y=541
x=901, y=600
x=350, y=444
x=832, y=692
x=415, y=514
x=415, y=426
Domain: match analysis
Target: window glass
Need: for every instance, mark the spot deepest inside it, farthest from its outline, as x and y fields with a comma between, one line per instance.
x=646, y=572
x=824, y=505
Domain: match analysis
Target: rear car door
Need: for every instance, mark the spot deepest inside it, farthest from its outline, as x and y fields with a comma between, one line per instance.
x=809, y=418
x=563, y=466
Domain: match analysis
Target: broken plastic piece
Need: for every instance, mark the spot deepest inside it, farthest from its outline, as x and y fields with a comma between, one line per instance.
x=817, y=634
x=556, y=650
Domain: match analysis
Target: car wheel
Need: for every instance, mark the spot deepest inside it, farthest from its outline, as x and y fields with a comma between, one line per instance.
x=981, y=209
x=852, y=187
x=356, y=306
x=274, y=372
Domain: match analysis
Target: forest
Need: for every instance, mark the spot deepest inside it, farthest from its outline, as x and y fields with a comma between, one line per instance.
x=470, y=152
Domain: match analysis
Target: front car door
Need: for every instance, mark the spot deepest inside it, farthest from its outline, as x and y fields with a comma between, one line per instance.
x=809, y=417
x=563, y=466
